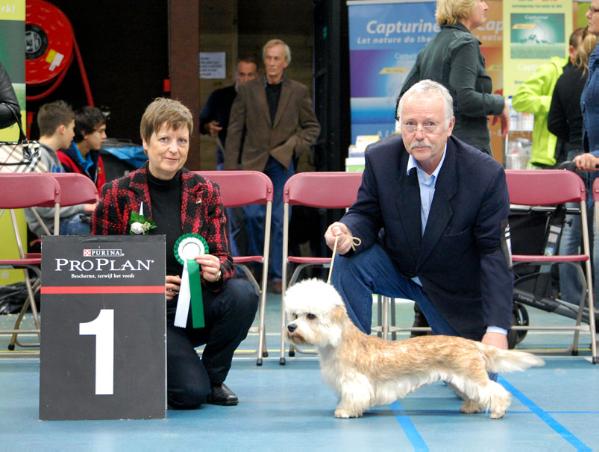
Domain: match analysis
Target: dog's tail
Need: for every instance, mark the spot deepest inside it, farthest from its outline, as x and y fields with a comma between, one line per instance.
x=499, y=360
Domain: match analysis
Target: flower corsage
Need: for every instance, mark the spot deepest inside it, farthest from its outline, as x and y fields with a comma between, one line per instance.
x=138, y=224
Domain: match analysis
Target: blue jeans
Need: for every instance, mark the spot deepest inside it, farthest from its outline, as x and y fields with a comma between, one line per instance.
x=76, y=225
x=571, y=243
x=234, y=215
x=358, y=276
x=371, y=271
x=254, y=219
x=236, y=231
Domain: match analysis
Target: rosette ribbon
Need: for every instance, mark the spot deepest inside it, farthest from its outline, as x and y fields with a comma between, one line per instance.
x=186, y=249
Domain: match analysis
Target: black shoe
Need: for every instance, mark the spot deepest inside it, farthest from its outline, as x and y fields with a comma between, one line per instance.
x=222, y=395
x=275, y=286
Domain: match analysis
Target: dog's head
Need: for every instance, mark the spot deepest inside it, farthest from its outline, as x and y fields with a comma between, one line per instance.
x=315, y=312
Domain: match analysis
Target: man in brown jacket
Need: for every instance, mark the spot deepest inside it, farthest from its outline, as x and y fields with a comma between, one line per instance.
x=279, y=123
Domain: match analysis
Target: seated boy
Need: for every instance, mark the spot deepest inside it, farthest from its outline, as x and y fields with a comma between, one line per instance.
x=56, y=122
x=83, y=154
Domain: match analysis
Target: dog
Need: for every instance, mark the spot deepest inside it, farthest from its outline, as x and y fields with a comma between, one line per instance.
x=366, y=371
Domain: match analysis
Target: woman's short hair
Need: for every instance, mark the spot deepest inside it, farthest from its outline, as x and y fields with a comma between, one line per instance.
x=164, y=111
x=277, y=42
x=450, y=12
x=423, y=87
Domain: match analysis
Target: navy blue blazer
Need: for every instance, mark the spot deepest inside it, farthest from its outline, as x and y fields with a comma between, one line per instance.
x=459, y=259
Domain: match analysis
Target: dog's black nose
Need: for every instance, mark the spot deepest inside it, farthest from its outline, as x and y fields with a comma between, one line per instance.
x=291, y=327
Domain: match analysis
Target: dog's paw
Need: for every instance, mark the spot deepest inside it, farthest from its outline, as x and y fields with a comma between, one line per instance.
x=497, y=414
x=470, y=407
x=342, y=413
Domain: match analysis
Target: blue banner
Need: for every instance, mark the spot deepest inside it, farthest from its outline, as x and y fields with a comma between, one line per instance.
x=384, y=40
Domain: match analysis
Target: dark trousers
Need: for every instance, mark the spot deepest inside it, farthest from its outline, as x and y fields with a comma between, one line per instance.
x=228, y=315
x=360, y=275
x=255, y=213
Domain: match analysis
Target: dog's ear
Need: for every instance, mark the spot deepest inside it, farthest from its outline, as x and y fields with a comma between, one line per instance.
x=338, y=314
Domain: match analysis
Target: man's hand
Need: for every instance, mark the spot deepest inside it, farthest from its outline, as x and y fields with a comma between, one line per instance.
x=345, y=237
x=213, y=128
x=497, y=339
x=586, y=162
x=210, y=267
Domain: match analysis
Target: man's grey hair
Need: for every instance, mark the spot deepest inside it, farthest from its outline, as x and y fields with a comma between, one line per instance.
x=277, y=42
x=424, y=87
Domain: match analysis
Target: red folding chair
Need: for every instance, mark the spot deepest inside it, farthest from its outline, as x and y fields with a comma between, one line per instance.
x=76, y=189
x=550, y=188
x=25, y=190
x=238, y=189
x=328, y=190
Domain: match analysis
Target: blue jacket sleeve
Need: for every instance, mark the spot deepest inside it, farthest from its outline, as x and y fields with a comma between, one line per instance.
x=364, y=218
x=496, y=278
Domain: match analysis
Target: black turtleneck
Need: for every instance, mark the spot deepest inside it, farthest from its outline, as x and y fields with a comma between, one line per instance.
x=165, y=196
x=273, y=93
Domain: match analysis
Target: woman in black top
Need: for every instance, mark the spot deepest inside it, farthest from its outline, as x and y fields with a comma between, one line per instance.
x=565, y=116
x=453, y=59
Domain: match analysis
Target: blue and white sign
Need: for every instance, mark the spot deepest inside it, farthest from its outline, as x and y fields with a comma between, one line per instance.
x=385, y=38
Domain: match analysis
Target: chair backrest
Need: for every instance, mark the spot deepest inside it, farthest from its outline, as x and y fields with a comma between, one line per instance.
x=75, y=189
x=22, y=190
x=331, y=190
x=544, y=187
x=239, y=188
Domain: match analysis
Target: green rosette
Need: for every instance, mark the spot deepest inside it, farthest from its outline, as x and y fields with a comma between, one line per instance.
x=187, y=247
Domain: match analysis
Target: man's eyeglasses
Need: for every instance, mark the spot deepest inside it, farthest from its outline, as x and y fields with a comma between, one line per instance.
x=593, y=10
x=427, y=126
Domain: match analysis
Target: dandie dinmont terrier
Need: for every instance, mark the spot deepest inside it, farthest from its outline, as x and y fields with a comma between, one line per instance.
x=366, y=371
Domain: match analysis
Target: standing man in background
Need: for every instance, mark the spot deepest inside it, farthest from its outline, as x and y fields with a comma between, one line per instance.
x=214, y=120
x=272, y=123
x=214, y=117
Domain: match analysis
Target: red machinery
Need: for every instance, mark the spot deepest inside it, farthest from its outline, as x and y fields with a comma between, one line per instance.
x=49, y=47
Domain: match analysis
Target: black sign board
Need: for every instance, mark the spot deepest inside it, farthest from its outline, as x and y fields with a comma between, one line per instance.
x=103, y=332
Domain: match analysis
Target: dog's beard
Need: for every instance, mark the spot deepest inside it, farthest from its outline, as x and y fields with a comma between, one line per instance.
x=296, y=338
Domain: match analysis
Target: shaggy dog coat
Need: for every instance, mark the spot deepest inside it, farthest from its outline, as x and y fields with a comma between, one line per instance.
x=366, y=371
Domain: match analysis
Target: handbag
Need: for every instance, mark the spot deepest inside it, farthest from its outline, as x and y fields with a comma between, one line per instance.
x=24, y=156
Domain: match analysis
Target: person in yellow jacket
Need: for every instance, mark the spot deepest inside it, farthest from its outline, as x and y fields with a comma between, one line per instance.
x=534, y=96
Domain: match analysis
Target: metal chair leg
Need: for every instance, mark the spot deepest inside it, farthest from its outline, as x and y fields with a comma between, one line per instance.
x=29, y=301
x=393, y=319
x=379, y=314
x=385, y=317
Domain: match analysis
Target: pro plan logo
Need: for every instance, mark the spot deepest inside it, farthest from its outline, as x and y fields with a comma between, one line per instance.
x=114, y=252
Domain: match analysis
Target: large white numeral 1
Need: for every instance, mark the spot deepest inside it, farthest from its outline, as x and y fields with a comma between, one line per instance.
x=103, y=328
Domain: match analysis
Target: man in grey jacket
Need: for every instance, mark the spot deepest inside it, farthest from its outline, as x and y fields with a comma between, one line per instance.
x=275, y=118
x=56, y=122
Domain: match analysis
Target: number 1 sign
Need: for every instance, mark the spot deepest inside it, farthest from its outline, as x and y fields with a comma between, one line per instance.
x=103, y=353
